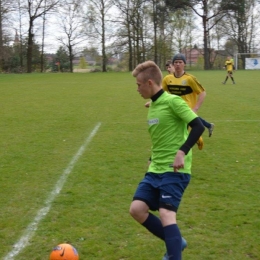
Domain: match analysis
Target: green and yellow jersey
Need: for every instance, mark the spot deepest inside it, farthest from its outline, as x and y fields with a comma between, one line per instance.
x=186, y=86
x=168, y=117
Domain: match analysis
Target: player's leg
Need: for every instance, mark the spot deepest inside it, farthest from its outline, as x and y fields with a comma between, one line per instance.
x=172, y=234
x=208, y=125
x=231, y=76
x=145, y=198
x=140, y=212
x=170, y=198
x=200, y=143
x=152, y=223
x=224, y=82
x=183, y=246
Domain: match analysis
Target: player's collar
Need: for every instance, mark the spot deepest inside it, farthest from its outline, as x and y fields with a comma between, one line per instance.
x=180, y=75
x=157, y=95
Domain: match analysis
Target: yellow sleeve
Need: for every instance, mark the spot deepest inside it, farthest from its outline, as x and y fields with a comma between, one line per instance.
x=195, y=85
x=164, y=84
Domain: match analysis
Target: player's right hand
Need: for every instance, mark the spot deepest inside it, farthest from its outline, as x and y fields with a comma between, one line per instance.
x=147, y=104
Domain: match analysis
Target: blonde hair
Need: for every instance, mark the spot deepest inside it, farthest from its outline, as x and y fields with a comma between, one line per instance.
x=148, y=70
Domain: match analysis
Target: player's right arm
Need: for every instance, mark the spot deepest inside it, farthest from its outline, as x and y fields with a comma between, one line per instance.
x=147, y=104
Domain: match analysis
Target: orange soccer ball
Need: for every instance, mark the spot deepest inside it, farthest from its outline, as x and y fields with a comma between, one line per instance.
x=64, y=252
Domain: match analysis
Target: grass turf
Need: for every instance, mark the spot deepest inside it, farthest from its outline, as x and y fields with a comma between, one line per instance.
x=44, y=120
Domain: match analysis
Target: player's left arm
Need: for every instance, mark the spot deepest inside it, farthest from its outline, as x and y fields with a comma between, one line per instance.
x=200, y=100
x=197, y=130
x=200, y=91
x=181, y=109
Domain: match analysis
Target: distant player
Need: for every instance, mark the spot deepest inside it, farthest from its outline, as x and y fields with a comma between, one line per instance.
x=169, y=67
x=185, y=85
x=229, y=66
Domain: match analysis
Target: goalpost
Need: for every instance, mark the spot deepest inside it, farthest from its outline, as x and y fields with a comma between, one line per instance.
x=248, y=61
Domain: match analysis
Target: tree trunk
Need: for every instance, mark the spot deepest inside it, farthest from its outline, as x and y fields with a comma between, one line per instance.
x=71, y=58
x=30, y=47
x=205, y=36
x=155, y=22
x=43, y=36
x=104, y=57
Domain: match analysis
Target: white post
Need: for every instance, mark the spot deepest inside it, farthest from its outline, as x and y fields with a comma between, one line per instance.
x=236, y=61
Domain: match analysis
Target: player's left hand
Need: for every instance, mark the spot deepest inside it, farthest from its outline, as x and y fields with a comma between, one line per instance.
x=178, y=161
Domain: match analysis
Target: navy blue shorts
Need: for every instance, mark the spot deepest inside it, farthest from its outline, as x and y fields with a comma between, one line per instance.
x=162, y=190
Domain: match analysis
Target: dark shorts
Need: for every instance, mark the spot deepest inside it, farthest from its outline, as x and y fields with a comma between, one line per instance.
x=162, y=190
x=230, y=72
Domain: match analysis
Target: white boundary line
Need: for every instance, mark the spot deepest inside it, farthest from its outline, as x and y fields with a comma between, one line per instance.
x=32, y=227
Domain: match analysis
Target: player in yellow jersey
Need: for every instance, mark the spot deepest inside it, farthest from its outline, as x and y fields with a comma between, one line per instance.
x=187, y=86
x=229, y=65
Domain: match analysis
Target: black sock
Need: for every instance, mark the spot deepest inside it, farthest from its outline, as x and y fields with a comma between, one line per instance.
x=154, y=225
x=173, y=241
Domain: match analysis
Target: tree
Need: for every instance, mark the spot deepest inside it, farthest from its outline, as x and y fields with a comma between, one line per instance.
x=208, y=11
x=61, y=61
x=91, y=55
x=123, y=42
x=70, y=27
x=135, y=35
x=182, y=26
x=43, y=37
x=82, y=63
x=19, y=38
x=97, y=25
x=6, y=8
x=35, y=9
x=241, y=27
x=14, y=55
x=163, y=32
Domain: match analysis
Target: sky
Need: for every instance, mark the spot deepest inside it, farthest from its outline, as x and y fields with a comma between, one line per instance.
x=53, y=31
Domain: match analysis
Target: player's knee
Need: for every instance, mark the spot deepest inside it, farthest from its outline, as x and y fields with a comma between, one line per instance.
x=137, y=210
x=134, y=210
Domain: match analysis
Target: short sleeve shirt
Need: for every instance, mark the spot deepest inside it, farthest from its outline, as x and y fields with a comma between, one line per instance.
x=168, y=117
x=229, y=65
x=186, y=86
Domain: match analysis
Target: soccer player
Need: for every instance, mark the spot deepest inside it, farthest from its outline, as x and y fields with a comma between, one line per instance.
x=187, y=86
x=169, y=67
x=229, y=65
x=169, y=172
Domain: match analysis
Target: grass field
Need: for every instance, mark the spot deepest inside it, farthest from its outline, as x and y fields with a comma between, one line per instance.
x=74, y=147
